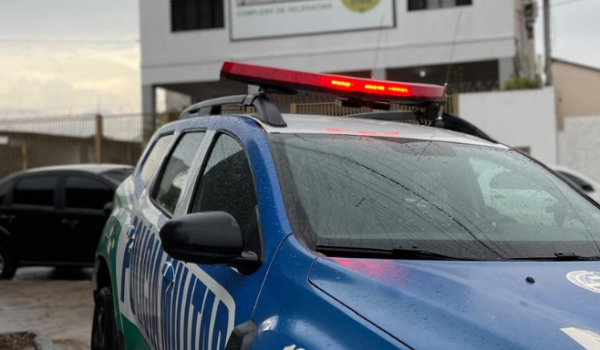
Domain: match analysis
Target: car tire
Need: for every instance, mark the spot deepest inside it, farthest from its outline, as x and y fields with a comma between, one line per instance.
x=104, y=327
x=7, y=265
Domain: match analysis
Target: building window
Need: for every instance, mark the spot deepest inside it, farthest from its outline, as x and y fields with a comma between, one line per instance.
x=196, y=14
x=436, y=4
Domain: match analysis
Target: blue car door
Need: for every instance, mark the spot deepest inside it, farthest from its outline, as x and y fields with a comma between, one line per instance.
x=189, y=306
x=148, y=277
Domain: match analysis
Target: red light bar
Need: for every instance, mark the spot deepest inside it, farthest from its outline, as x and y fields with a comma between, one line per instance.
x=341, y=86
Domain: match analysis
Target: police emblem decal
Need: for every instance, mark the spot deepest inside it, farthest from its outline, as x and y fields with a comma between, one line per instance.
x=589, y=280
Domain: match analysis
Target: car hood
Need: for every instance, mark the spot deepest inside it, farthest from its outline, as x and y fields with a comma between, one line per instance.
x=470, y=305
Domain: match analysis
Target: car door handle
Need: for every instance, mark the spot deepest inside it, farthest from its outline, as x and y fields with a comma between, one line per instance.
x=169, y=273
x=71, y=223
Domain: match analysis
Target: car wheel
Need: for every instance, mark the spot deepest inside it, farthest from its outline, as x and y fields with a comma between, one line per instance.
x=7, y=264
x=104, y=329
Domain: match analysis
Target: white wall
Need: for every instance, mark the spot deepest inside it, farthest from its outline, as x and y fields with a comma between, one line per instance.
x=580, y=144
x=524, y=118
x=487, y=31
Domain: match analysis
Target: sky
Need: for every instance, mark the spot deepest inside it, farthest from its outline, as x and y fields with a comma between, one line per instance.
x=575, y=28
x=79, y=56
x=69, y=56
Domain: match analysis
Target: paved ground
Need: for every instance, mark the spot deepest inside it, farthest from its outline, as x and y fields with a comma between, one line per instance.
x=57, y=303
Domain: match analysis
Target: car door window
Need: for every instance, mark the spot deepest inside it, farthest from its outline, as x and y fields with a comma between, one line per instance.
x=4, y=189
x=86, y=193
x=176, y=170
x=36, y=191
x=226, y=185
x=154, y=158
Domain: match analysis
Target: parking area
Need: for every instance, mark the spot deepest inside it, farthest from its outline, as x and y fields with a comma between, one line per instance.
x=55, y=302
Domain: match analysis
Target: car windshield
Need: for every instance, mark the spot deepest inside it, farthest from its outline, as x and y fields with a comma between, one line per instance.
x=464, y=201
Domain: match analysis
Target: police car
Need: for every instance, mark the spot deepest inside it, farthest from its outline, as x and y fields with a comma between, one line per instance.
x=295, y=232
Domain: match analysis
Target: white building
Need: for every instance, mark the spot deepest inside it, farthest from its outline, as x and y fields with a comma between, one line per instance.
x=184, y=42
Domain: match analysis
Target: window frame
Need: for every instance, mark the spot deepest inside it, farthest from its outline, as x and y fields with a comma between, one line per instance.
x=10, y=200
x=154, y=185
x=213, y=141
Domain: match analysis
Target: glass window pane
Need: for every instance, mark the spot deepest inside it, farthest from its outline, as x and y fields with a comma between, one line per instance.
x=37, y=191
x=458, y=200
x=417, y=5
x=226, y=185
x=176, y=171
x=435, y=4
x=86, y=193
x=4, y=189
x=155, y=157
x=196, y=14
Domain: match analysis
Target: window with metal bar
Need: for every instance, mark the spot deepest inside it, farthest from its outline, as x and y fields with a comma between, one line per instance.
x=414, y=5
x=196, y=14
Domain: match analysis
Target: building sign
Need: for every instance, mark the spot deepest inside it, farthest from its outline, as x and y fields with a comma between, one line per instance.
x=256, y=19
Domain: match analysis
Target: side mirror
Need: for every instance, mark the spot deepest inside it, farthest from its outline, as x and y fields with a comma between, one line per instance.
x=108, y=208
x=210, y=238
x=587, y=188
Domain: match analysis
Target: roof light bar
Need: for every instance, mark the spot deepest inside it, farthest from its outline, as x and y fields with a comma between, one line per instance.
x=337, y=85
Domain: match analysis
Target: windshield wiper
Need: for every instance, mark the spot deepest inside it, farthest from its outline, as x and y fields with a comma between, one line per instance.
x=558, y=257
x=407, y=253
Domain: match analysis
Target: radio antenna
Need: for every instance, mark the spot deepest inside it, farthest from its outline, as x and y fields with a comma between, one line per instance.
x=452, y=48
x=378, y=45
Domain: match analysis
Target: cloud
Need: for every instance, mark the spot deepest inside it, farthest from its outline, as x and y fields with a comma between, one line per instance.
x=79, y=80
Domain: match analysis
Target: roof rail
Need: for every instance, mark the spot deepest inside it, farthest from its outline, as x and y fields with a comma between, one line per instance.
x=266, y=110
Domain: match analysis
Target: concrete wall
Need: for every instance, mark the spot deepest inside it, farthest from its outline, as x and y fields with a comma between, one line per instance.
x=524, y=118
x=487, y=31
x=579, y=145
x=577, y=89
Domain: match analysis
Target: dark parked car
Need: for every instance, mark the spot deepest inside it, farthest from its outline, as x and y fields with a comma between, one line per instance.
x=54, y=216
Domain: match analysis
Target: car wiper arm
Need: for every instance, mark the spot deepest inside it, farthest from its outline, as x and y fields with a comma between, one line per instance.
x=558, y=257
x=409, y=253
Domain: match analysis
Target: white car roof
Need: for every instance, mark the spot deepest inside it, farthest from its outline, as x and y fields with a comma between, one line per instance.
x=312, y=124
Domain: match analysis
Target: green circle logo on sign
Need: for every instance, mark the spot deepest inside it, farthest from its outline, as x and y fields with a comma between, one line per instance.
x=360, y=5
x=589, y=280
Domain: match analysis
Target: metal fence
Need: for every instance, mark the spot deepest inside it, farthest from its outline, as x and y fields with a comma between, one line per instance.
x=34, y=142
x=31, y=142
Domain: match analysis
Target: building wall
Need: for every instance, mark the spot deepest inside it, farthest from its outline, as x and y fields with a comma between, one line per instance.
x=577, y=90
x=579, y=145
x=487, y=31
x=525, y=119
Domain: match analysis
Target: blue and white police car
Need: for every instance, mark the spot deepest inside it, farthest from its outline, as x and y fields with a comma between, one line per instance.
x=295, y=232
